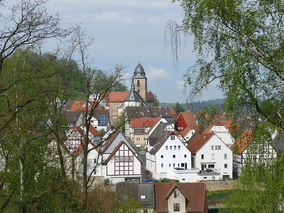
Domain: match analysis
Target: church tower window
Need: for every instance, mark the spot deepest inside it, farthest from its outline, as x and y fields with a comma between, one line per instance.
x=138, y=83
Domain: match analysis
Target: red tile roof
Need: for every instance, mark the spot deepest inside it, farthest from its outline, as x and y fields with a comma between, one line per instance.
x=118, y=96
x=80, y=106
x=190, y=120
x=242, y=142
x=144, y=122
x=194, y=192
x=93, y=130
x=198, y=140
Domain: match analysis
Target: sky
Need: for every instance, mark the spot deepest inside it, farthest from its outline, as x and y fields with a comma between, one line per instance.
x=128, y=32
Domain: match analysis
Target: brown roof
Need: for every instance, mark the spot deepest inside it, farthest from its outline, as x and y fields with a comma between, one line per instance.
x=144, y=122
x=174, y=114
x=109, y=141
x=195, y=193
x=198, y=140
x=242, y=142
x=118, y=96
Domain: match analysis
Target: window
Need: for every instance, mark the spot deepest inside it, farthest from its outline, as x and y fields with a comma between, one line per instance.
x=167, y=147
x=143, y=197
x=219, y=147
x=174, y=165
x=213, y=156
x=138, y=139
x=175, y=147
x=202, y=156
x=212, y=147
x=176, y=193
x=176, y=207
x=182, y=165
x=172, y=137
x=171, y=147
x=185, y=156
x=178, y=147
x=162, y=156
x=225, y=166
x=162, y=165
x=225, y=156
x=174, y=156
x=95, y=161
x=138, y=83
x=169, y=165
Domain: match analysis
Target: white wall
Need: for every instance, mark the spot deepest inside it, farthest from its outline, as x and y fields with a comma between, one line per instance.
x=215, y=156
x=223, y=133
x=173, y=152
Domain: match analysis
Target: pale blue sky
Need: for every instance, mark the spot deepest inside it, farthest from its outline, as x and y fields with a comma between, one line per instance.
x=131, y=31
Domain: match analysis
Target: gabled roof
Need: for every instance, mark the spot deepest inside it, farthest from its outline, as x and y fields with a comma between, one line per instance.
x=161, y=142
x=117, y=148
x=190, y=121
x=118, y=96
x=109, y=141
x=198, y=140
x=72, y=117
x=194, y=192
x=242, y=142
x=144, y=122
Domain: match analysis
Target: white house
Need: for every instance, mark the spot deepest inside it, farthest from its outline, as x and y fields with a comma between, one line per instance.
x=223, y=133
x=167, y=157
x=245, y=148
x=116, y=160
x=212, y=156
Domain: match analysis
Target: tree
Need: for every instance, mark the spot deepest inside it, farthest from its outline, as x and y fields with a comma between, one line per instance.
x=27, y=22
x=177, y=108
x=156, y=101
x=91, y=86
x=240, y=44
x=30, y=171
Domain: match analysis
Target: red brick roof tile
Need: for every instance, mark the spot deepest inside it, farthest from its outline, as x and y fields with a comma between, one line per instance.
x=198, y=140
x=144, y=122
x=194, y=192
x=242, y=142
x=118, y=96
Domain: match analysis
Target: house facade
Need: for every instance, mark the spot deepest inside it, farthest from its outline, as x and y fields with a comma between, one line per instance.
x=175, y=197
x=167, y=157
x=211, y=156
x=115, y=160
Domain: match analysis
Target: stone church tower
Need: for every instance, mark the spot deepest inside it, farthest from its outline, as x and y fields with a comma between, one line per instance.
x=140, y=82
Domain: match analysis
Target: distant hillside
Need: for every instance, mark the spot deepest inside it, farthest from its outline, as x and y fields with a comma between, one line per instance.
x=198, y=105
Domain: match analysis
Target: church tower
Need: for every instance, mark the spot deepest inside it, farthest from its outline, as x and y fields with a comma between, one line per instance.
x=140, y=82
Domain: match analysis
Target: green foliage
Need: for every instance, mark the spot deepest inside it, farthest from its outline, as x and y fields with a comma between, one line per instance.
x=156, y=102
x=103, y=82
x=240, y=43
x=121, y=121
x=245, y=40
x=178, y=108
